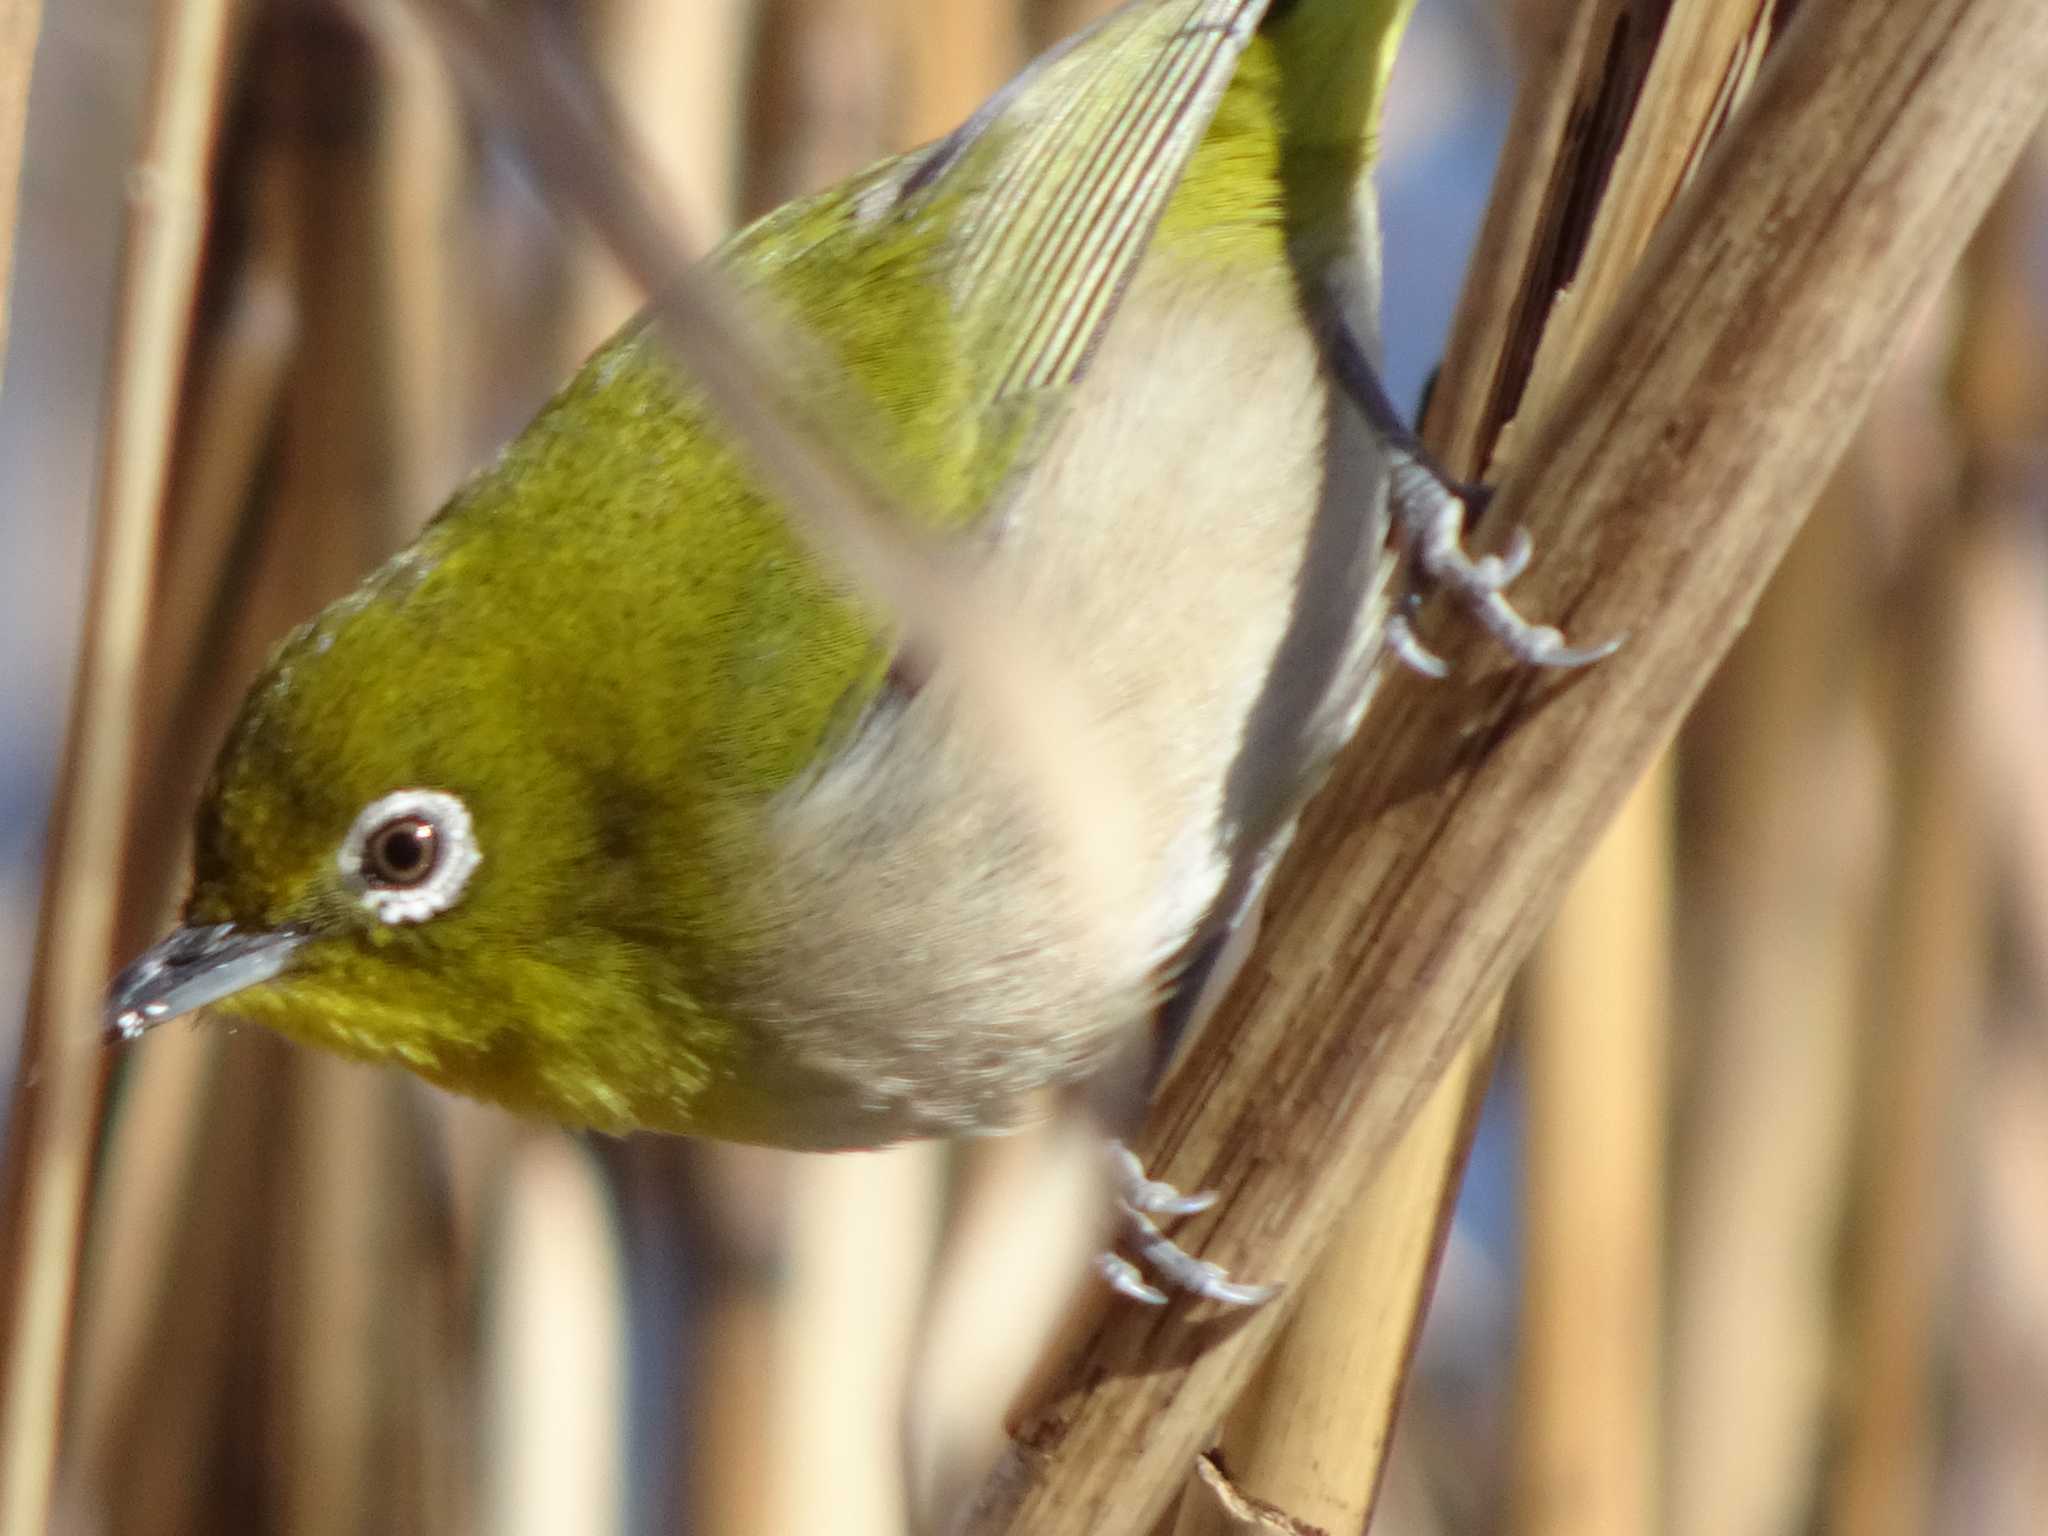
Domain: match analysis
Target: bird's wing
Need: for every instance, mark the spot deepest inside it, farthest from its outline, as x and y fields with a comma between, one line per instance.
x=959, y=288
x=1070, y=168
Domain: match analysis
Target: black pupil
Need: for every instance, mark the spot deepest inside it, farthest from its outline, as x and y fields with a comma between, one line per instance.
x=403, y=851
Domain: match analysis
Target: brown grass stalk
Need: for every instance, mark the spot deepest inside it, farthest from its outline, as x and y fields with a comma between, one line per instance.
x=170, y=1196
x=1587, y=1443
x=1662, y=491
x=58, y=1076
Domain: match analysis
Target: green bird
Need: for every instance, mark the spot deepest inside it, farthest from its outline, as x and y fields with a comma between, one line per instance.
x=606, y=801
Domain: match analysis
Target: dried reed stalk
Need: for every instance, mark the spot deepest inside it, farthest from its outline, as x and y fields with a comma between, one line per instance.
x=1926, y=1003
x=554, y=1397
x=1309, y=1440
x=57, y=1080
x=154, y=1140
x=1587, y=1444
x=959, y=55
x=861, y=1232
x=365, y=1343
x=20, y=23
x=1047, y=21
x=822, y=99
x=1588, y=1401
x=1780, y=852
x=1999, y=1403
x=2001, y=1407
x=1584, y=129
x=1930, y=964
x=337, y=1248
x=173, y=1195
x=674, y=76
x=1583, y=72
x=1677, y=467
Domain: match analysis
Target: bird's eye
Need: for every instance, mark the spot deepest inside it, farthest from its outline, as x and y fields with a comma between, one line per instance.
x=410, y=854
x=401, y=853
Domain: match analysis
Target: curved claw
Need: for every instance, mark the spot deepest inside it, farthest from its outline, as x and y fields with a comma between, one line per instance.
x=1154, y=1196
x=1187, y=1274
x=1122, y=1276
x=1407, y=645
x=1139, y=1199
x=1565, y=657
x=1434, y=513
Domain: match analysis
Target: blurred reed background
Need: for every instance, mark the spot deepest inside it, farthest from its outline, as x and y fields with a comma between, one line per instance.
x=1755, y=1233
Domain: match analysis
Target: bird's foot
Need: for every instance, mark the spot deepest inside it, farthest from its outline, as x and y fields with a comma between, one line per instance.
x=1138, y=1200
x=1433, y=512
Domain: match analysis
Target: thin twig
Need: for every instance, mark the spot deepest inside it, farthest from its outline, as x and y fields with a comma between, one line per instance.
x=1663, y=490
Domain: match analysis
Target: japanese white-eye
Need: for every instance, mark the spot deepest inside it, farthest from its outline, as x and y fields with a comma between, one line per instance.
x=604, y=800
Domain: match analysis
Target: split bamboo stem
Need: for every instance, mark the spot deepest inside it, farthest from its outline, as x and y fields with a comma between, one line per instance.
x=1677, y=468
x=1586, y=130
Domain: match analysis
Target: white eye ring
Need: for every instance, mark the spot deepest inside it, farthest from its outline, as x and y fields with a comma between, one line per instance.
x=441, y=833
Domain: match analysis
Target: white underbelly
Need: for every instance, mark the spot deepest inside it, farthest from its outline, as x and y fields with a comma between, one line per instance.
x=1201, y=555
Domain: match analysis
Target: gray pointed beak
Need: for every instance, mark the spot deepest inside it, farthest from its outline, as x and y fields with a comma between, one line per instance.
x=190, y=968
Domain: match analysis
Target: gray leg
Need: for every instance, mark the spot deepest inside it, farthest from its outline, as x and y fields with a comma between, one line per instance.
x=1139, y=1199
x=1431, y=508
